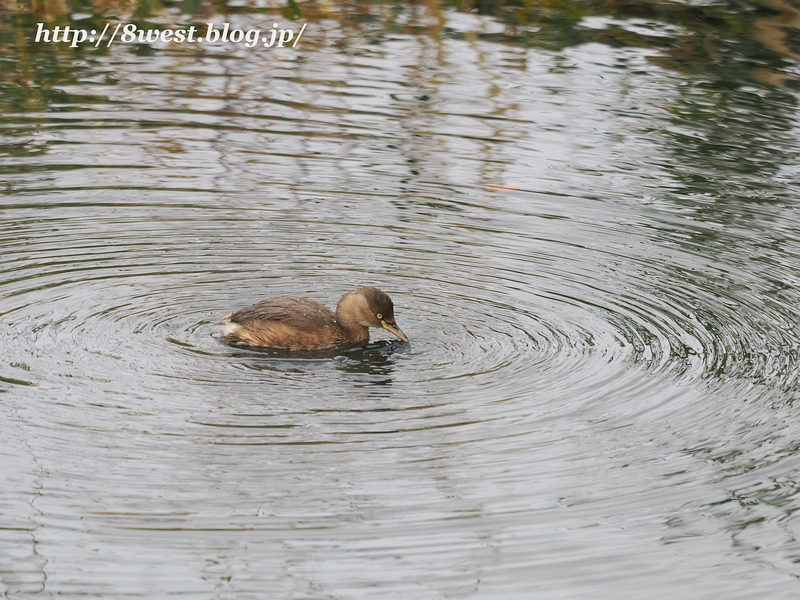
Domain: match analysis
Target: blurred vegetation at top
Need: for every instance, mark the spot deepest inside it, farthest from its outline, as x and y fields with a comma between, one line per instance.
x=729, y=40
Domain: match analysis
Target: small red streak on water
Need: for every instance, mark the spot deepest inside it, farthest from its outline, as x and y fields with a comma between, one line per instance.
x=505, y=187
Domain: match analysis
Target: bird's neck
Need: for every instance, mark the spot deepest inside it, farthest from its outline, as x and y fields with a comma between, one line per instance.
x=355, y=330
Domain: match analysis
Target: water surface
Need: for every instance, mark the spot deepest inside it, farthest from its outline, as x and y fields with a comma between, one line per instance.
x=586, y=217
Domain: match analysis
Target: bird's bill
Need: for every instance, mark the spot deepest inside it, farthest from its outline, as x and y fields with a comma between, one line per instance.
x=394, y=330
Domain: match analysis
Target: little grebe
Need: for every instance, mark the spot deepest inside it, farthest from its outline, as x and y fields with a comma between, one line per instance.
x=291, y=323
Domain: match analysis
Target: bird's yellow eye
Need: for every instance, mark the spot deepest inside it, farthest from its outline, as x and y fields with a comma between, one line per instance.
x=379, y=316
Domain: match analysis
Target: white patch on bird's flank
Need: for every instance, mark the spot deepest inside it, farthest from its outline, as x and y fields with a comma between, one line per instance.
x=225, y=328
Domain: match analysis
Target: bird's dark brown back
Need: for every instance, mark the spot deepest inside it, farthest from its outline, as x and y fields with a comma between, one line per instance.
x=301, y=313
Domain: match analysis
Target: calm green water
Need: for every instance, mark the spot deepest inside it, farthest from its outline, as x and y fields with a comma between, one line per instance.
x=586, y=214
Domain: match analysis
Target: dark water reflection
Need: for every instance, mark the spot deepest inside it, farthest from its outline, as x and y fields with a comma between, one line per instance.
x=586, y=216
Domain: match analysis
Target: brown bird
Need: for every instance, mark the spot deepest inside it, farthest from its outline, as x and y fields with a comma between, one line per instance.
x=291, y=323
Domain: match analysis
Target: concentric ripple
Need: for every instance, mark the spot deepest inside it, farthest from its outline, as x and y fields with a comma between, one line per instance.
x=598, y=393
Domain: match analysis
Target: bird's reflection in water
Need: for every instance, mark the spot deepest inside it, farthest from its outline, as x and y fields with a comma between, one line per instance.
x=374, y=360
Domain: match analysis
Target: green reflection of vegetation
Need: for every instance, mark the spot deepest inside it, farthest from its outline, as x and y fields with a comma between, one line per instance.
x=147, y=8
x=727, y=35
x=718, y=48
x=292, y=10
x=692, y=39
x=732, y=42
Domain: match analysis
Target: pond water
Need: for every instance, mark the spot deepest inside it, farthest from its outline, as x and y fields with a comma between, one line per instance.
x=587, y=217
